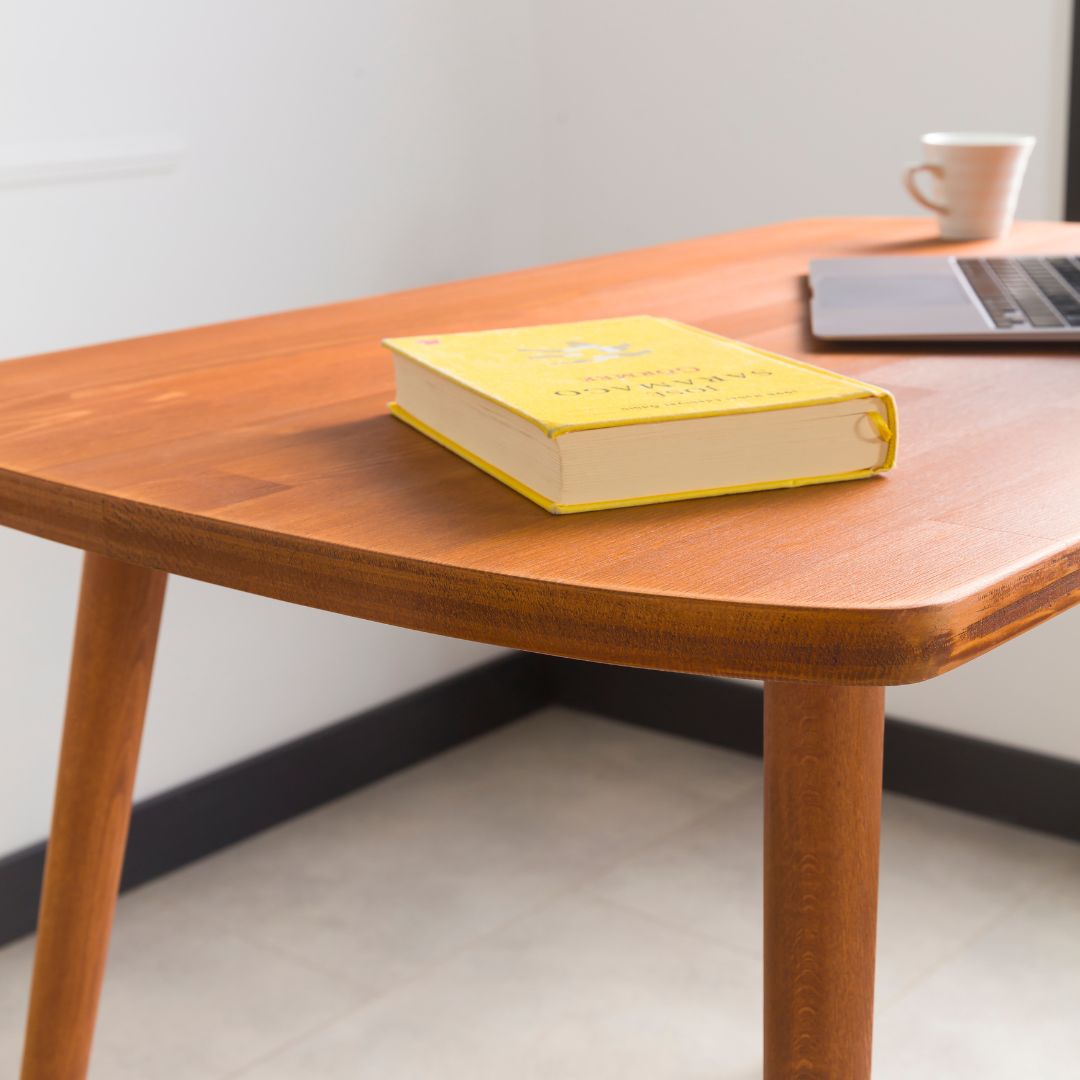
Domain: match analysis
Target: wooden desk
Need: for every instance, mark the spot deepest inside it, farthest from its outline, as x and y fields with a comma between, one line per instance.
x=259, y=455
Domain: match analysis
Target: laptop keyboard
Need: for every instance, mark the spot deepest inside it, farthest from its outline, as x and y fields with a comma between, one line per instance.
x=1027, y=291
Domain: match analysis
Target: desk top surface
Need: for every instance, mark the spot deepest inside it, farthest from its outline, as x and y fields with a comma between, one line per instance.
x=259, y=455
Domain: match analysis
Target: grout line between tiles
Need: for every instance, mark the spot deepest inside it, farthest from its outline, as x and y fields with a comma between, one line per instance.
x=1042, y=883
x=415, y=977
x=295, y=1040
x=573, y=883
x=673, y=927
x=576, y=885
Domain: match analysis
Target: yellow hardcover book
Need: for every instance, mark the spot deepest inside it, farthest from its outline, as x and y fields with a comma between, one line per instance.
x=626, y=411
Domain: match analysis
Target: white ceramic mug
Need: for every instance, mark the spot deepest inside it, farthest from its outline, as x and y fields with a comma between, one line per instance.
x=975, y=181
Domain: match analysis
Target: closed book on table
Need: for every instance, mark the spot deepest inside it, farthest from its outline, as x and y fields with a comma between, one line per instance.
x=620, y=412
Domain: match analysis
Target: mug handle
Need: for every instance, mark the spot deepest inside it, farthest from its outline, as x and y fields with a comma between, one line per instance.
x=913, y=189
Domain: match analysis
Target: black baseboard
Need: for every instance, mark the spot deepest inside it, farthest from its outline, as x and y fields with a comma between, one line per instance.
x=716, y=711
x=1003, y=783
x=196, y=819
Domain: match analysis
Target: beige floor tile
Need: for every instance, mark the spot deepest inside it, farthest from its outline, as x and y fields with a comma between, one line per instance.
x=705, y=878
x=182, y=1000
x=566, y=898
x=383, y=884
x=944, y=877
x=16, y=961
x=579, y=991
x=1006, y=1008
x=609, y=750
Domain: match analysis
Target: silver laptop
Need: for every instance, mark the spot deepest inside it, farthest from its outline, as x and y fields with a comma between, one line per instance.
x=997, y=298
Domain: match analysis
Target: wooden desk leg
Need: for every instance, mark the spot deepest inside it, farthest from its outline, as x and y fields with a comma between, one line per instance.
x=115, y=636
x=823, y=756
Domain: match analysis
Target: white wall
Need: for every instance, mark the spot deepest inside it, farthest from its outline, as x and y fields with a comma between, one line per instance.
x=675, y=119
x=333, y=149
x=683, y=117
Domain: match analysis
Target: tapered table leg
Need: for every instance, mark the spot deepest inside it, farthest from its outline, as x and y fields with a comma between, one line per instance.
x=823, y=756
x=115, y=636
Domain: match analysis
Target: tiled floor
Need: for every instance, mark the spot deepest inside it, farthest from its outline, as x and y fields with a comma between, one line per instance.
x=566, y=898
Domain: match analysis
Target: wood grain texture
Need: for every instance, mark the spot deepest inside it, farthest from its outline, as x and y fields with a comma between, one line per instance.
x=115, y=637
x=823, y=757
x=260, y=455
